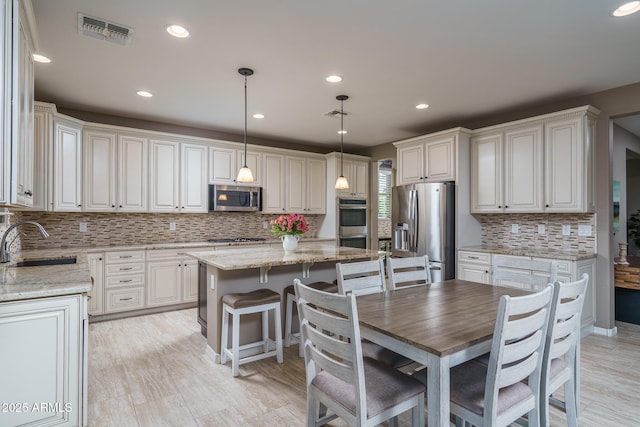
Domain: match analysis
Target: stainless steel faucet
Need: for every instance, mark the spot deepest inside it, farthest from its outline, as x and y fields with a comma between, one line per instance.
x=5, y=256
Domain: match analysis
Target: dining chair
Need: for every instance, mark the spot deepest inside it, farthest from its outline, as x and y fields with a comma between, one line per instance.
x=523, y=273
x=367, y=277
x=362, y=392
x=561, y=359
x=497, y=394
x=410, y=271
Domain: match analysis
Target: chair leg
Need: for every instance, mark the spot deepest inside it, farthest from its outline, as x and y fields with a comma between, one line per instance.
x=570, y=403
x=278, y=330
x=313, y=410
x=534, y=417
x=418, y=413
x=265, y=331
x=235, y=350
x=288, y=320
x=225, y=335
x=544, y=406
x=393, y=422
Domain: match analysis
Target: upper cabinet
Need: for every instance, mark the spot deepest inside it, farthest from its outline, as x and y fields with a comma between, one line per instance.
x=225, y=161
x=67, y=165
x=428, y=158
x=16, y=104
x=354, y=168
x=542, y=164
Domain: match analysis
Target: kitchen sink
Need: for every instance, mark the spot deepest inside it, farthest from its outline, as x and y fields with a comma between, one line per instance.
x=42, y=262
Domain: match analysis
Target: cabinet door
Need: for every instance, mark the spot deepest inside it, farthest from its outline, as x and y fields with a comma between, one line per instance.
x=360, y=177
x=42, y=127
x=564, y=166
x=273, y=191
x=100, y=162
x=222, y=165
x=410, y=164
x=67, y=164
x=523, y=177
x=486, y=173
x=132, y=174
x=474, y=273
x=163, y=283
x=96, y=297
x=164, y=172
x=347, y=170
x=189, y=280
x=43, y=363
x=316, y=186
x=295, y=185
x=193, y=170
x=254, y=161
x=440, y=160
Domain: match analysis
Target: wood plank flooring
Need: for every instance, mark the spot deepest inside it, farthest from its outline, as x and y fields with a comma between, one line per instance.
x=152, y=371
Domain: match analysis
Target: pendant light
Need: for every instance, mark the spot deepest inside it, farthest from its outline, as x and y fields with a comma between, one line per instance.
x=341, y=182
x=245, y=174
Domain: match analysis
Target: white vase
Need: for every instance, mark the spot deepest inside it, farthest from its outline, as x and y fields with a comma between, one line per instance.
x=290, y=242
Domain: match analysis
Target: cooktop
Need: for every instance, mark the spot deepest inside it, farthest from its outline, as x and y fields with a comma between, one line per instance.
x=237, y=240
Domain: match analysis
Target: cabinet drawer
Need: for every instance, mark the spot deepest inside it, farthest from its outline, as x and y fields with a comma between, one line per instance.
x=162, y=254
x=475, y=257
x=124, y=299
x=564, y=266
x=125, y=256
x=124, y=280
x=118, y=269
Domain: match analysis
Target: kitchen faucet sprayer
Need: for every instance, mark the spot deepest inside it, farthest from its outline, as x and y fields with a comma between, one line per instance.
x=5, y=256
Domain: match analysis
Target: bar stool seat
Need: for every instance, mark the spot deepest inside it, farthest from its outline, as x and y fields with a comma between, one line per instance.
x=258, y=301
x=291, y=300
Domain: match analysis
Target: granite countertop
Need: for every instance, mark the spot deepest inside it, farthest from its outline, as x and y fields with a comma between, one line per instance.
x=235, y=259
x=570, y=255
x=18, y=283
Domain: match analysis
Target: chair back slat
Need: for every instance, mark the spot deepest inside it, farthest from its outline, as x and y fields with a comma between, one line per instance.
x=326, y=352
x=522, y=327
x=513, y=351
x=517, y=372
x=408, y=271
x=562, y=347
x=360, y=278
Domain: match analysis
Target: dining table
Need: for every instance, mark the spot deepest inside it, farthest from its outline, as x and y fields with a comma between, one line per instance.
x=440, y=325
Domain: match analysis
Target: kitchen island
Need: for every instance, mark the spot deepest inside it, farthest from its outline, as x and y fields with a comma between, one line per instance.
x=237, y=270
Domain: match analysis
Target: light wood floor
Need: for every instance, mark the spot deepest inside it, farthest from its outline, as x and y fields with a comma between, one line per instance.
x=152, y=371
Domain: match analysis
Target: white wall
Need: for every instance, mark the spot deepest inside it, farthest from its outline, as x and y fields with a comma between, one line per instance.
x=623, y=141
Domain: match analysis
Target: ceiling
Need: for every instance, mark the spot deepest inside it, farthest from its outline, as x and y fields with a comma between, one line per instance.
x=465, y=58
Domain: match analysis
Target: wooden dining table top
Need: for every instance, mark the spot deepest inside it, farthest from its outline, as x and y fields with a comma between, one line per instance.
x=441, y=318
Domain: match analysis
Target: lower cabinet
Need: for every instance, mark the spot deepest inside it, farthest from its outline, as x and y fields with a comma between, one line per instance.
x=171, y=278
x=474, y=266
x=124, y=281
x=43, y=370
x=96, y=296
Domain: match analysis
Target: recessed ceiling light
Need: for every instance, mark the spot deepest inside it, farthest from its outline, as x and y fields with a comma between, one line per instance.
x=258, y=116
x=144, y=93
x=627, y=9
x=177, y=31
x=422, y=106
x=41, y=58
x=333, y=79
x=342, y=132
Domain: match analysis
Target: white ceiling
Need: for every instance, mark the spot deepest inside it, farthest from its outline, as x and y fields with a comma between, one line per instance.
x=464, y=58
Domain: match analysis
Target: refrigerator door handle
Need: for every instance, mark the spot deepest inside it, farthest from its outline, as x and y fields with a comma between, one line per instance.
x=414, y=226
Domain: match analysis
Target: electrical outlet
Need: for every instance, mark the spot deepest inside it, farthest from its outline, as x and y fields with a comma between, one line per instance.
x=542, y=229
x=515, y=228
x=566, y=229
x=585, y=230
x=172, y=226
x=83, y=227
x=265, y=224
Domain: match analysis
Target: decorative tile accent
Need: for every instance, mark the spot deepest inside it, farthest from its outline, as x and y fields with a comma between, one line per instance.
x=384, y=228
x=496, y=231
x=121, y=229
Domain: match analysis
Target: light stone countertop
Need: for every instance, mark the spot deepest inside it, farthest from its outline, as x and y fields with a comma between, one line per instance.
x=532, y=252
x=241, y=259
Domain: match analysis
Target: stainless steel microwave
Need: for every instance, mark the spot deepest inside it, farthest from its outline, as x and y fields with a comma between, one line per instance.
x=234, y=198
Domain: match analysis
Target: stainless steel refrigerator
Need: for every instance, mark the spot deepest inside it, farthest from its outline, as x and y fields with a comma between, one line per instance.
x=423, y=221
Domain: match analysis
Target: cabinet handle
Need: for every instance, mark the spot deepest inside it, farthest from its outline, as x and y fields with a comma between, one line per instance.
x=126, y=256
x=79, y=206
x=499, y=206
x=126, y=299
x=99, y=259
x=546, y=206
x=505, y=206
x=113, y=206
x=473, y=257
x=126, y=281
x=28, y=193
x=176, y=207
x=120, y=205
x=126, y=269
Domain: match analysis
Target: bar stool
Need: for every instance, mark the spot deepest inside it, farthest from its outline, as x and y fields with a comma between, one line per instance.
x=259, y=301
x=291, y=300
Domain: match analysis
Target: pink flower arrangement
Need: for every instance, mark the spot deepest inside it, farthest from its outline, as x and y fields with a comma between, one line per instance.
x=289, y=224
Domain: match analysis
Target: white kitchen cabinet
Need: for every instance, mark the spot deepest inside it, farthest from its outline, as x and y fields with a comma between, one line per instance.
x=254, y=161
x=316, y=178
x=189, y=279
x=43, y=357
x=100, y=170
x=164, y=171
x=96, y=295
x=132, y=173
x=42, y=147
x=274, y=179
x=163, y=282
x=474, y=266
x=541, y=164
x=124, y=281
x=570, y=164
x=193, y=178
x=67, y=165
x=226, y=161
x=430, y=158
x=357, y=174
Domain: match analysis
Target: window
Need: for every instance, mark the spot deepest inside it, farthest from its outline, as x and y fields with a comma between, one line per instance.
x=384, y=194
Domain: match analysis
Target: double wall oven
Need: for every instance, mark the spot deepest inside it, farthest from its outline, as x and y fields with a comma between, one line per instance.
x=352, y=222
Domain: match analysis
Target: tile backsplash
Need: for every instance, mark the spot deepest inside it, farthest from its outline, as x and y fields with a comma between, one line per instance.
x=121, y=229
x=497, y=231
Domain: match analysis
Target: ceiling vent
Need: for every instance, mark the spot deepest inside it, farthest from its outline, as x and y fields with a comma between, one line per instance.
x=104, y=30
x=334, y=113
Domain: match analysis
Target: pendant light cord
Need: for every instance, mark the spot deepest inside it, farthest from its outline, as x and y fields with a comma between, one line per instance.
x=245, y=121
x=341, y=135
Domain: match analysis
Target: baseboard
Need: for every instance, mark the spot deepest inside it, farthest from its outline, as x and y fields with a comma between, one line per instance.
x=606, y=332
x=212, y=354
